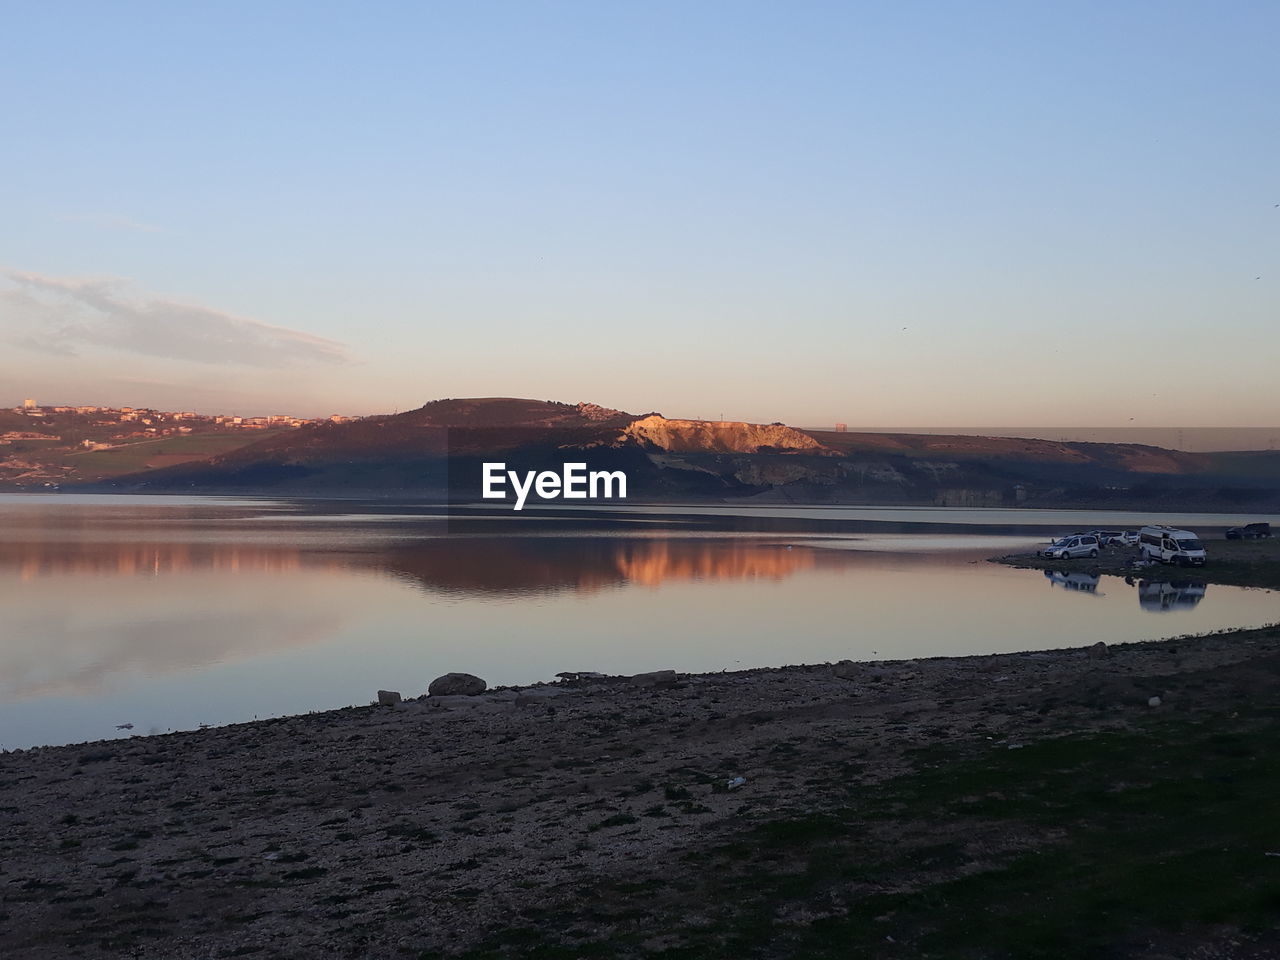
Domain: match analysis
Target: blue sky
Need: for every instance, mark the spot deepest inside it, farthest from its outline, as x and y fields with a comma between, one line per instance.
x=884, y=214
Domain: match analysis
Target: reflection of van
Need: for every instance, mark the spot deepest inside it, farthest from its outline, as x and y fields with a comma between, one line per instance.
x=1168, y=545
x=1076, y=582
x=1159, y=596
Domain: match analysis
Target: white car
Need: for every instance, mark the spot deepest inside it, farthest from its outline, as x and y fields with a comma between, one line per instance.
x=1067, y=548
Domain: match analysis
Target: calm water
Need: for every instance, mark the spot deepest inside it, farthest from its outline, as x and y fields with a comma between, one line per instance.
x=166, y=613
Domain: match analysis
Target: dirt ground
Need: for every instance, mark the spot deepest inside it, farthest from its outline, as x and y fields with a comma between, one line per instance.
x=582, y=818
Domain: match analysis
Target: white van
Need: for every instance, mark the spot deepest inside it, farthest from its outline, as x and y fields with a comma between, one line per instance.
x=1169, y=545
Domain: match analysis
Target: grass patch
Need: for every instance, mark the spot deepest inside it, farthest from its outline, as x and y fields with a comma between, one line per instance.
x=1067, y=849
x=617, y=820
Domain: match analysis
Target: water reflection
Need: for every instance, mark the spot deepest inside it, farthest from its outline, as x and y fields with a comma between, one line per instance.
x=109, y=628
x=514, y=566
x=83, y=617
x=482, y=566
x=175, y=614
x=1074, y=582
x=1164, y=596
x=32, y=560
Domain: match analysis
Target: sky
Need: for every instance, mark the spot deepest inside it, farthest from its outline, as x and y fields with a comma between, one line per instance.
x=898, y=214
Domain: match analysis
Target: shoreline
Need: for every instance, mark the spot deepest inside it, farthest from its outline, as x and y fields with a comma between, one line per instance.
x=439, y=827
x=1233, y=563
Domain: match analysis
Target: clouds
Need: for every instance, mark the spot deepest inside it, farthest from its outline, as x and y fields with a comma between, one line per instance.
x=64, y=315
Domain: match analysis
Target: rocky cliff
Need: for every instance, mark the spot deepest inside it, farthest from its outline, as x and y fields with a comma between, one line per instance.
x=711, y=436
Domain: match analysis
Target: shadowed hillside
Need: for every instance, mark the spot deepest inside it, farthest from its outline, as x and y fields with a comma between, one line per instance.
x=437, y=451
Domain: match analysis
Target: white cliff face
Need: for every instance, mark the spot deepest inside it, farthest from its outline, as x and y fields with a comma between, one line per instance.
x=710, y=436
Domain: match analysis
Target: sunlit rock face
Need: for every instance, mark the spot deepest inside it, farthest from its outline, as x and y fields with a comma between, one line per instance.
x=711, y=436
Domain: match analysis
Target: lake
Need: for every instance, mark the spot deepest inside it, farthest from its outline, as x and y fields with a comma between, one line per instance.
x=166, y=613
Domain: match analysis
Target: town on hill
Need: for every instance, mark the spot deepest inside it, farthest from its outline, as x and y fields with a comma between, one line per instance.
x=46, y=446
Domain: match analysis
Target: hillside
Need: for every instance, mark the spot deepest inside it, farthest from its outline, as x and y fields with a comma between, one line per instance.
x=442, y=428
x=436, y=451
x=46, y=447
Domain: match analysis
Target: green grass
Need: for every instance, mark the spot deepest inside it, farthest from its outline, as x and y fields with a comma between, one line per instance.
x=1063, y=849
x=132, y=456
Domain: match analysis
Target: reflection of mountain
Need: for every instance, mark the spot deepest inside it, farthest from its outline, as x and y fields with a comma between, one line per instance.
x=83, y=616
x=483, y=565
x=1160, y=596
x=32, y=560
x=543, y=564
x=79, y=616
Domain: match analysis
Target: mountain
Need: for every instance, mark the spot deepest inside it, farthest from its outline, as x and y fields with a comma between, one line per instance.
x=437, y=451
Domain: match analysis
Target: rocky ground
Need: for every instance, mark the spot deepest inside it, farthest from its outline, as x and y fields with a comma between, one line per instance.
x=1078, y=803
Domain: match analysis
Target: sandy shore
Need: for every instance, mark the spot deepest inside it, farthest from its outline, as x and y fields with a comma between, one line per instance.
x=429, y=828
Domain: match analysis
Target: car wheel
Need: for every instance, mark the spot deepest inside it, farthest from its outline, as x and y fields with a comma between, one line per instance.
x=1093, y=553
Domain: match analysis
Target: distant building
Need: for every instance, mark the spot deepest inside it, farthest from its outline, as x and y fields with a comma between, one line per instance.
x=28, y=404
x=842, y=428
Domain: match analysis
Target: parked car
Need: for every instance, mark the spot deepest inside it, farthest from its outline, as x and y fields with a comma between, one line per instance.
x=1129, y=538
x=1106, y=537
x=1250, y=531
x=1067, y=548
x=1170, y=545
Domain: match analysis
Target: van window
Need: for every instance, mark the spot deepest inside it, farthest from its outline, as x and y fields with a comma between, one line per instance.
x=1088, y=539
x=1168, y=545
x=1190, y=544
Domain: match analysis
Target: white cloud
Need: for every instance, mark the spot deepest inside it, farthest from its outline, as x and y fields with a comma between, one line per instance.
x=62, y=315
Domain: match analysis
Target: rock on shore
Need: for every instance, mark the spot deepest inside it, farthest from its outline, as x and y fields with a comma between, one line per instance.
x=457, y=685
